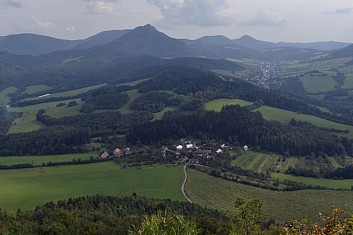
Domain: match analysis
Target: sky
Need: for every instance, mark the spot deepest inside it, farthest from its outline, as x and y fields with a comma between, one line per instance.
x=270, y=20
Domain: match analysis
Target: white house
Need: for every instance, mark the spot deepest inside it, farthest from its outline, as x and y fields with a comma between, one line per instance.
x=219, y=151
x=179, y=147
x=189, y=146
x=245, y=148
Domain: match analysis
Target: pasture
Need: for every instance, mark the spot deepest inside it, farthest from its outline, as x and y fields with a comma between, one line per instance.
x=27, y=122
x=4, y=94
x=159, y=115
x=38, y=160
x=318, y=83
x=285, y=116
x=133, y=94
x=27, y=188
x=217, y=193
x=68, y=93
x=216, y=105
x=36, y=88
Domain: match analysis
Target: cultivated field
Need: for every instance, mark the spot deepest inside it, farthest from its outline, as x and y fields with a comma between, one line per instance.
x=282, y=206
x=27, y=188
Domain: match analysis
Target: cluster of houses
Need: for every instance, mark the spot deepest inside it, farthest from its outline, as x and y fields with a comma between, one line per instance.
x=116, y=153
x=203, y=152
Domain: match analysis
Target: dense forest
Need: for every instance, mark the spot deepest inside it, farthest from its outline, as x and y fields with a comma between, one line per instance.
x=53, y=140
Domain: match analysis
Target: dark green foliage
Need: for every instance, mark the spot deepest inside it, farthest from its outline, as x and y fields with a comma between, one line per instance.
x=152, y=102
x=107, y=97
x=54, y=140
x=102, y=215
x=6, y=119
x=106, y=122
x=236, y=124
x=72, y=103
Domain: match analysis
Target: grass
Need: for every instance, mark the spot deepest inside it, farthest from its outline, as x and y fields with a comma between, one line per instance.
x=38, y=160
x=27, y=188
x=285, y=116
x=68, y=93
x=216, y=105
x=4, y=94
x=316, y=84
x=282, y=206
x=27, y=122
x=330, y=183
x=159, y=115
x=133, y=94
x=36, y=88
x=133, y=83
x=334, y=162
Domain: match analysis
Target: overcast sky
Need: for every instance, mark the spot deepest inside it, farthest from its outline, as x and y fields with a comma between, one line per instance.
x=272, y=20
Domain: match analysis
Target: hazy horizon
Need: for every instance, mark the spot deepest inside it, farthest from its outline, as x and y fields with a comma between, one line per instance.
x=271, y=20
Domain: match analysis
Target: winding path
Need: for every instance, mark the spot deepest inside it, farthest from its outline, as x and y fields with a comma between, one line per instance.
x=183, y=185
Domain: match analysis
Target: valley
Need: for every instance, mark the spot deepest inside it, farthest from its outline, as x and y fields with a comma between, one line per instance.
x=123, y=116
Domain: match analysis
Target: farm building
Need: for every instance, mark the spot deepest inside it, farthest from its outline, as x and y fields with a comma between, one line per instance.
x=117, y=152
x=104, y=155
x=179, y=147
x=204, y=153
x=245, y=148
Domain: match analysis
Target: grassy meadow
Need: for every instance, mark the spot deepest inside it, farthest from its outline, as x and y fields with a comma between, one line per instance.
x=216, y=105
x=38, y=160
x=319, y=83
x=133, y=94
x=4, y=94
x=68, y=93
x=285, y=116
x=36, y=88
x=282, y=206
x=27, y=122
x=27, y=188
x=159, y=115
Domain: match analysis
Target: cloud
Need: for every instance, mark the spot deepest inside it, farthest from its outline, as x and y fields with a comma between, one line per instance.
x=14, y=3
x=101, y=6
x=263, y=18
x=347, y=10
x=45, y=24
x=193, y=12
x=70, y=28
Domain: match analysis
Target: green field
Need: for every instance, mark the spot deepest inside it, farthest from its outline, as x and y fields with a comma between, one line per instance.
x=38, y=160
x=133, y=94
x=216, y=105
x=68, y=93
x=159, y=115
x=133, y=83
x=27, y=188
x=330, y=183
x=315, y=84
x=27, y=122
x=285, y=116
x=4, y=94
x=36, y=88
x=282, y=206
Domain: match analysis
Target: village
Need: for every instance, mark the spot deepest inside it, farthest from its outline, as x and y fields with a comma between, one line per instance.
x=185, y=151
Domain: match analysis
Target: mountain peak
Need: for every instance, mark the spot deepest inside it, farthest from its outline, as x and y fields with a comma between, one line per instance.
x=247, y=38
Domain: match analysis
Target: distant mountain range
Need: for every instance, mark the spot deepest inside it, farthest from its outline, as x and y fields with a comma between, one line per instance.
x=117, y=55
x=32, y=44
